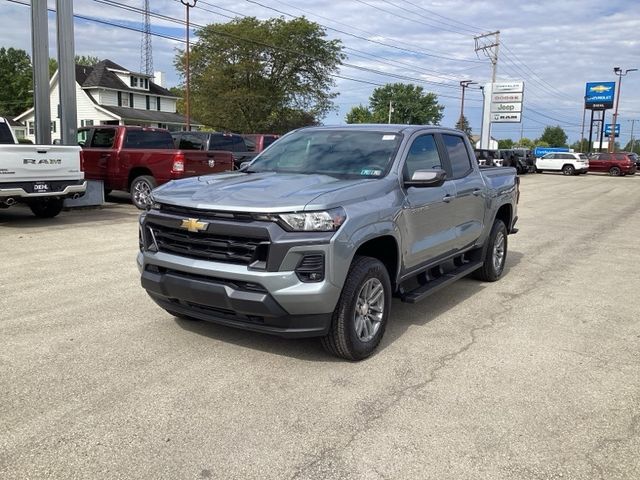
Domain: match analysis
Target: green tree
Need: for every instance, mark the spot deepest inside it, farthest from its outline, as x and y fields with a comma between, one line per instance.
x=580, y=145
x=15, y=81
x=506, y=144
x=525, y=142
x=250, y=75
x=541, y=143
x=359, y=114
x=463, y=124
x=179, y=92
x=410, y=104
x=86, y=60
x=554, y=136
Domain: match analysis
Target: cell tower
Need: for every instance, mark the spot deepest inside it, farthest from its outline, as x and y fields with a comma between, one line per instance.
x=146, y=50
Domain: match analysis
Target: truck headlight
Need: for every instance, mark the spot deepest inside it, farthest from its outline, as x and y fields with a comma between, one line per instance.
x=326, y=221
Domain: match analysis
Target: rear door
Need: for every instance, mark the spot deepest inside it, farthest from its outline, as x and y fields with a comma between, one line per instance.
x=469, y=206
x=427, y=218
x=98, y=151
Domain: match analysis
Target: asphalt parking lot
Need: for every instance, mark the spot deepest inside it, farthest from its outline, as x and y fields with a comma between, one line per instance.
x=536, y=376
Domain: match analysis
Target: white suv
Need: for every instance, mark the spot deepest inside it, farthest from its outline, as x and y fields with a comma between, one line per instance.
x=565, y=162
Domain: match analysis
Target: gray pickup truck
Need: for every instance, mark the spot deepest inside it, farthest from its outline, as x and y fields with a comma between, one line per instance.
x=316, y=235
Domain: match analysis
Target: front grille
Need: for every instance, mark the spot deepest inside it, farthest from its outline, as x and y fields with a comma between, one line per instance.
x=203, y=213
x=207, y=246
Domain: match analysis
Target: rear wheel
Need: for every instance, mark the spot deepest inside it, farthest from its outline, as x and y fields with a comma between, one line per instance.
x=361, y=315
x=47, y=207
x=568, y=170
x=496, y=254
x=614, y=171
x=141, y=188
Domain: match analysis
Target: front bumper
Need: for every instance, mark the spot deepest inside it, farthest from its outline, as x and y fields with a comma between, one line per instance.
x=220, y=295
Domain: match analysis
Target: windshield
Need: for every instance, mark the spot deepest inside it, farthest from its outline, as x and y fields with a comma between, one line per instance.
x=339, y=153
x=583, y=157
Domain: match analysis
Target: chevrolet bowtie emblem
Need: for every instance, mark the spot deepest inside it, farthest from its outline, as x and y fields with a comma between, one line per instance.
x=193, y=225
x=600, y=89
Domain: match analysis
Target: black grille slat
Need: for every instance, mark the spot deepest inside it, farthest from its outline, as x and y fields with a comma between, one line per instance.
x=206, y=246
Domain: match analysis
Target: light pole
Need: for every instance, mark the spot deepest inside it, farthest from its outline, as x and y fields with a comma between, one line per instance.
x=391, y=110
x=464, y=84
x=633, y=142
x=188, y=5
x=618, y=71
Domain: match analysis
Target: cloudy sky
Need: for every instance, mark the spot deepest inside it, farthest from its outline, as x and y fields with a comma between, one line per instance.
x=554, y=46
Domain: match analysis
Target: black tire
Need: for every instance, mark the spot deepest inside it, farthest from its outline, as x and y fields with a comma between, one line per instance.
x=615, y=171
x=538, y=170
x=140, y=190
x=568, y=170
x=343, y=340
x=489, y=272
x=46, y=207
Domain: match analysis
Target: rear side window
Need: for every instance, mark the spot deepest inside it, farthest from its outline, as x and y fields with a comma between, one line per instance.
x=268, y=140
x=148, y=139
x=583, y=156
x=458, y=155
x=5, y=134
x=621, y=156
x=220, y=141
x=103, y=138
x=189, y=142
x=423, y=155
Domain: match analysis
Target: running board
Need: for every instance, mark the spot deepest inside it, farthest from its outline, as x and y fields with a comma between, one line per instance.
x=433, y=286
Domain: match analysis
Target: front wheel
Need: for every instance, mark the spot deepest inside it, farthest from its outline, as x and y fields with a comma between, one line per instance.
x=141, y=188
x=361, y=315
x=47, y=207
x=495, y=255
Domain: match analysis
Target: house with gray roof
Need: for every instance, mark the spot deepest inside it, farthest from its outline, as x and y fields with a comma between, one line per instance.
x=109, y=94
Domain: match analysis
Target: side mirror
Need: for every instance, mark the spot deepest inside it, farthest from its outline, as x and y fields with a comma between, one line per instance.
x=426, y=178
x=243, y=166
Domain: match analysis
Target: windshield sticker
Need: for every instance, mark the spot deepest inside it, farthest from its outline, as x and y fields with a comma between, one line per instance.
x=388, y=137
x=371, y=172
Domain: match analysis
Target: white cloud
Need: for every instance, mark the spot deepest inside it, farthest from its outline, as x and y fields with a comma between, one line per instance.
x=555, y=46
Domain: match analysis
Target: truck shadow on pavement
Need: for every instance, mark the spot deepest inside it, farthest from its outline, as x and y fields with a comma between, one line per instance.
x=21, y=217
x=402, y=317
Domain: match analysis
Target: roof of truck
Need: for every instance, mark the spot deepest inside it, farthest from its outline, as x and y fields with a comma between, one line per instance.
x=384, y=127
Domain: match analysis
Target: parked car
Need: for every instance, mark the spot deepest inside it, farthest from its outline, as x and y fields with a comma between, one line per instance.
x=40, y=176
x=315, y=236
x=257, y=142
x=485, y=156
x=636, y=158
x=137, y=159
x=567, y=163
x=516, y=158
x=616, y=164
x=215, y=141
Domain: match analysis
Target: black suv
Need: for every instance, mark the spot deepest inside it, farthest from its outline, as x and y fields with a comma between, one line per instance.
x=227, y=142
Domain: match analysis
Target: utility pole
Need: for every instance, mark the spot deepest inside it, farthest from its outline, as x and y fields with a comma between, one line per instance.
x=618, y=71
x=584, y=113
x=633, y=142
x=464, y=84
x=488, y=44
x=67, y=73
x=188, y=4
x=40, y=55
x=390, y=111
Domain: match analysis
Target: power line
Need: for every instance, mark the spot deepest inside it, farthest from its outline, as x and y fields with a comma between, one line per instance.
x=460, y=30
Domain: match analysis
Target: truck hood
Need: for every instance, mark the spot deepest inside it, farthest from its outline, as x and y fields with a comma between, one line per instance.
x=252, y=192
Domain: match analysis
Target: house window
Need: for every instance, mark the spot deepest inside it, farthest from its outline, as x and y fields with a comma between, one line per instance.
x=134, y=81
x=131, y=104
x=148, y=100
x=146, y=84
x=53, y=127
x=86, y=123
x=158, y=103
x=32, y=128
x=162, y=125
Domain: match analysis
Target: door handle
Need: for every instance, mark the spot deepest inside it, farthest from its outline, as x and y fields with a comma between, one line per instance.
x=447, y=198
x=477, y=192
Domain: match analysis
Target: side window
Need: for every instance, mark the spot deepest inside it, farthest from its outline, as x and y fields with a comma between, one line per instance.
x=103, y=138
x=621, y=156
x=190, y=142
x=458, y=155
x=604, y=156
x=220, y=142
x=82, y=137
x=423, y=155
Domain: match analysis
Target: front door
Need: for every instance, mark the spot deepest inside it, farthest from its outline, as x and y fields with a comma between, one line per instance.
x=427, y=218
x=97, y=154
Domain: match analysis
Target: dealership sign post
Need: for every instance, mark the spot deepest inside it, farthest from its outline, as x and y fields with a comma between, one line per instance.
x=502, y=104
x=599, y=97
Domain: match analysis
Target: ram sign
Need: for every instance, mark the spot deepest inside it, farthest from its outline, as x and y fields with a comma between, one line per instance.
x=599, y=95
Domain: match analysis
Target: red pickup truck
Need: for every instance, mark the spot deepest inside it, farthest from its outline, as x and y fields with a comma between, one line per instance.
x=137, y=159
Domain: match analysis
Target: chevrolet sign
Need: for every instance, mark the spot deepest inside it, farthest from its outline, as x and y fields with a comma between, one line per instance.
x=599, y=95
